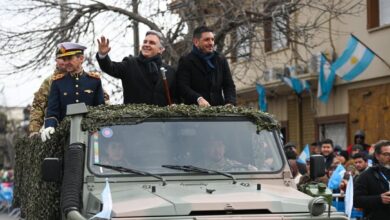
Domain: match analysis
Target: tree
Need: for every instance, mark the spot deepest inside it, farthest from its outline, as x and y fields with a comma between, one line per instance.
x=240, y=27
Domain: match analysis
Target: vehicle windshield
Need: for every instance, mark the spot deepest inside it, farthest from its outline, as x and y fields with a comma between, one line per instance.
x=228, y=146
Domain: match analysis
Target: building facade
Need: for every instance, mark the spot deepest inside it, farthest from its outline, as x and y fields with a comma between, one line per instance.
x=363, y=103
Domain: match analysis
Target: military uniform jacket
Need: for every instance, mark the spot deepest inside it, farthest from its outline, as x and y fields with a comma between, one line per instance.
x=137, y=88
x=67, y=89
x=195, y=80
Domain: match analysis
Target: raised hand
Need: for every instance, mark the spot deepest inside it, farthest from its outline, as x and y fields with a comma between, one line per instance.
x=104, y=45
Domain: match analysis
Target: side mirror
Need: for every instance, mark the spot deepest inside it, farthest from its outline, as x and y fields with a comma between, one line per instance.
x=51, y=170
x=317, y=166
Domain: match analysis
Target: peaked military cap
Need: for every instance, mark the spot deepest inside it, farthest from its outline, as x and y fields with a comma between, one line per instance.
x=69, y=49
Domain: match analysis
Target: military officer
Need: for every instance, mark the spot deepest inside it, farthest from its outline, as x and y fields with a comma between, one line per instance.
x=39, y=103
x=75, y=86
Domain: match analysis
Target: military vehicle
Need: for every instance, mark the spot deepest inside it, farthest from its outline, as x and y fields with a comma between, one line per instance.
x=176, y=162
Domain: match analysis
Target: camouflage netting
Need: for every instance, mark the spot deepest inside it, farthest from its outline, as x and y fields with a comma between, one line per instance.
x=40, y=200
x=36, y=198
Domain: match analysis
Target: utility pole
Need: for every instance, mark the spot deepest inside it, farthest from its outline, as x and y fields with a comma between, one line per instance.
x=135, y=28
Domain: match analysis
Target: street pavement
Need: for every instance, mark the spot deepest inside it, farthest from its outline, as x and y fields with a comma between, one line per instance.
x=4, y=216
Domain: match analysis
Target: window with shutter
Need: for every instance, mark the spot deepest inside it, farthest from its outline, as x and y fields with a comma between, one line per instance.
x=378, y=13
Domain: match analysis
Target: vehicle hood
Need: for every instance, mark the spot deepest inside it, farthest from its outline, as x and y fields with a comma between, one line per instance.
x=194, y=199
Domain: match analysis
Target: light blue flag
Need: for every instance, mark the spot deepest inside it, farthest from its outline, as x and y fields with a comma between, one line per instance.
x=107, y=203
x=348, y=200
x=337, y=176
x=298, y=85
x=305, y=154
x=353, y=61
x=262, y=97
x=326, y=79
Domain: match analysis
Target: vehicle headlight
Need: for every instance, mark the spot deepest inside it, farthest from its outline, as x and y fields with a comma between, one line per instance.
x=317, y=206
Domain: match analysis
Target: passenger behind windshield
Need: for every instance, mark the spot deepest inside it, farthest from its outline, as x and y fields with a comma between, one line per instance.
x=215, y=159
x=115, y=155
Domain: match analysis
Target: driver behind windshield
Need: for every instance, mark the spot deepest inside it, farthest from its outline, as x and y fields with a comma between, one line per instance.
x=115, y=155
x=214, y=158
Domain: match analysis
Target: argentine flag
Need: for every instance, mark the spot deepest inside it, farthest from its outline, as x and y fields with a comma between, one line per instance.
x=337, y=176
x=348, y=200
x=107, y=203
x=354, y=60
x=298, y=85
x=305, y=154
x=262, y=97
x=326, y=79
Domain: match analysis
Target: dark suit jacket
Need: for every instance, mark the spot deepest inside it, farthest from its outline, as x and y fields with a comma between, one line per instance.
x=137, y=88
x=195, y=80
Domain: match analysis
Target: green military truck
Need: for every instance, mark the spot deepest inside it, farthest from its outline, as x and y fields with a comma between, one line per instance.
x=177, y=162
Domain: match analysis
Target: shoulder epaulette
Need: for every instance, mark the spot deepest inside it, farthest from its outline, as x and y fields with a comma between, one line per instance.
x=95, y=75
x=57, y=76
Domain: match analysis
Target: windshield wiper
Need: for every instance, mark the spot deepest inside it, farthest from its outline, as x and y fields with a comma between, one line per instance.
x=190, y=168
x=129, y=170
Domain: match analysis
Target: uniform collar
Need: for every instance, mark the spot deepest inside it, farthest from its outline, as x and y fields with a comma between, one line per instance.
x=75, y=75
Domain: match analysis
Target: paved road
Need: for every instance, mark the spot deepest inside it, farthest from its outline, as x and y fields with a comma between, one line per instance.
x=6, y=217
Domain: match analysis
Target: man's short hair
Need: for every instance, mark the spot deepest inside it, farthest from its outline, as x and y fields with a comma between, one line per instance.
x=327, y=141
x=380, y=144
x=316, y=143
x=360, y=155
x=199, y=30
x=158, y=34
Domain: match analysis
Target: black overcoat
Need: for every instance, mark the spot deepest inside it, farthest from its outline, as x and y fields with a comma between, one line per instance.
x=196, y=80
x=137, y=88
x=367, y=190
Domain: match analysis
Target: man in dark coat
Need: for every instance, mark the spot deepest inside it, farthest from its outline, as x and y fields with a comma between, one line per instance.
x=372, y=187
x=74, y=86
x=141, y=76
x=203, y=75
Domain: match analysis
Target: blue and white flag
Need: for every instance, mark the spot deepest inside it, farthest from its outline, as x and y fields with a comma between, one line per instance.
x=107, y=203
x=262, y=97
x=337, y=177
x=348, y=200
x=326, y=79
x=354, y=60
x=298, y=85
x=292, y=70
x=305, y=154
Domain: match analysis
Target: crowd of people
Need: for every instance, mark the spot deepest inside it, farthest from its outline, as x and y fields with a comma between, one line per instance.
x=368, y=165
x=6, y=188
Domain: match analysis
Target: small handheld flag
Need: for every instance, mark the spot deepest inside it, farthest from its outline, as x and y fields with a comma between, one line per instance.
x=305, y=154
x=337, y=176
